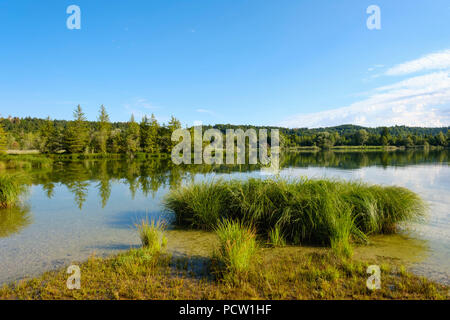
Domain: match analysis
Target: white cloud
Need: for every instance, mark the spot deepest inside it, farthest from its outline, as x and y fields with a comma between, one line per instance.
x=433, y=61
x=419, y=101
x=422, y=100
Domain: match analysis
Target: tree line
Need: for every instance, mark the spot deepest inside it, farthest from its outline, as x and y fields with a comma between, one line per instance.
x=394, y=136
x=352, y=135
x=82, y=136
x=149, y=136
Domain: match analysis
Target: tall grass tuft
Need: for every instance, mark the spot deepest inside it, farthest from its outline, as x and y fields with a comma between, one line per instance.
x=322, y=212
x=11, y=187
x=152, y=235
x=276, y=237
x=237, y=248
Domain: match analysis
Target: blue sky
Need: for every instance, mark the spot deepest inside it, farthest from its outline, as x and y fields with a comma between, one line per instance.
x=293, y=63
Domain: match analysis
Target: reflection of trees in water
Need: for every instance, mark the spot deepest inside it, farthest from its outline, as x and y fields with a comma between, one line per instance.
x=149, y=175
x=104, y=186
x=358, y=159
x=79, y=190
x=14, y=220
x=49, y=189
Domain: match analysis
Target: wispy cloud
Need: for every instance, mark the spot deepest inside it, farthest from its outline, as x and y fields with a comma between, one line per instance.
x=375, y=67
x=140, y=107
x=418, y=101
x=434, y=61
x=207, y=111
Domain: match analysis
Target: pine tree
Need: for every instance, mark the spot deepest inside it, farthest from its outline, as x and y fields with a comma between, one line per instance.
x=76, y=133
x=131, y=139
x=50, y=137
x=173, y=125
x=144, y=131
x=104, y=130
x=153, y=135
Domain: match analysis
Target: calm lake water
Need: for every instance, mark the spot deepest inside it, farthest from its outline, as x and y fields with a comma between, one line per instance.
x=78, y=208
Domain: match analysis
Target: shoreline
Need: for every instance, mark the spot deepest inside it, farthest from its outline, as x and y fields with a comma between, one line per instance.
x=284, y=149
x=306, y=273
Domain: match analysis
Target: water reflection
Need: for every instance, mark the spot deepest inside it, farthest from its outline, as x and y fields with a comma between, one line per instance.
x=150, y=175
x=13, y=220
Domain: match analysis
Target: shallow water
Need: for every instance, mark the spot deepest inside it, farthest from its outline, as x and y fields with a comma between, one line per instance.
x=78, y=208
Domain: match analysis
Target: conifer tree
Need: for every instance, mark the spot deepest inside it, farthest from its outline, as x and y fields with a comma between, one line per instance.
x=144, y=130
x=104, y=130
x=50, y=142
x=76, y=134
x=154, y=135
x=131, y=139
x=173, y=125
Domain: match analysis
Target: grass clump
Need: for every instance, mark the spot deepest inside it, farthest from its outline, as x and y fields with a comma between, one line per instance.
x=237, y=248
x=11, y=187
x=276, y=238
x=320, y=212
x=152, y=235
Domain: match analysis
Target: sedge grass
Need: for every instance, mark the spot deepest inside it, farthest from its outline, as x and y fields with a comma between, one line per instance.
x=152, y=235
x=276, y=238
x=236, y=250
x=320, y=212
x=11, y=187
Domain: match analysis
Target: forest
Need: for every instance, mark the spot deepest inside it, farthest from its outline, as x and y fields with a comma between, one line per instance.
x=149, y=136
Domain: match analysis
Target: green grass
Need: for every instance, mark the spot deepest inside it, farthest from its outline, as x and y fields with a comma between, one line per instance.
x=276, y=238
x=152, y=235
x=236, y=250
x=249, y=273
x=11, y=187
x=24, y=161
x=278, y=273
x=321, y=212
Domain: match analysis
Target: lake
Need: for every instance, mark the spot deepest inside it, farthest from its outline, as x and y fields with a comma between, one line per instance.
x=75, y=209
